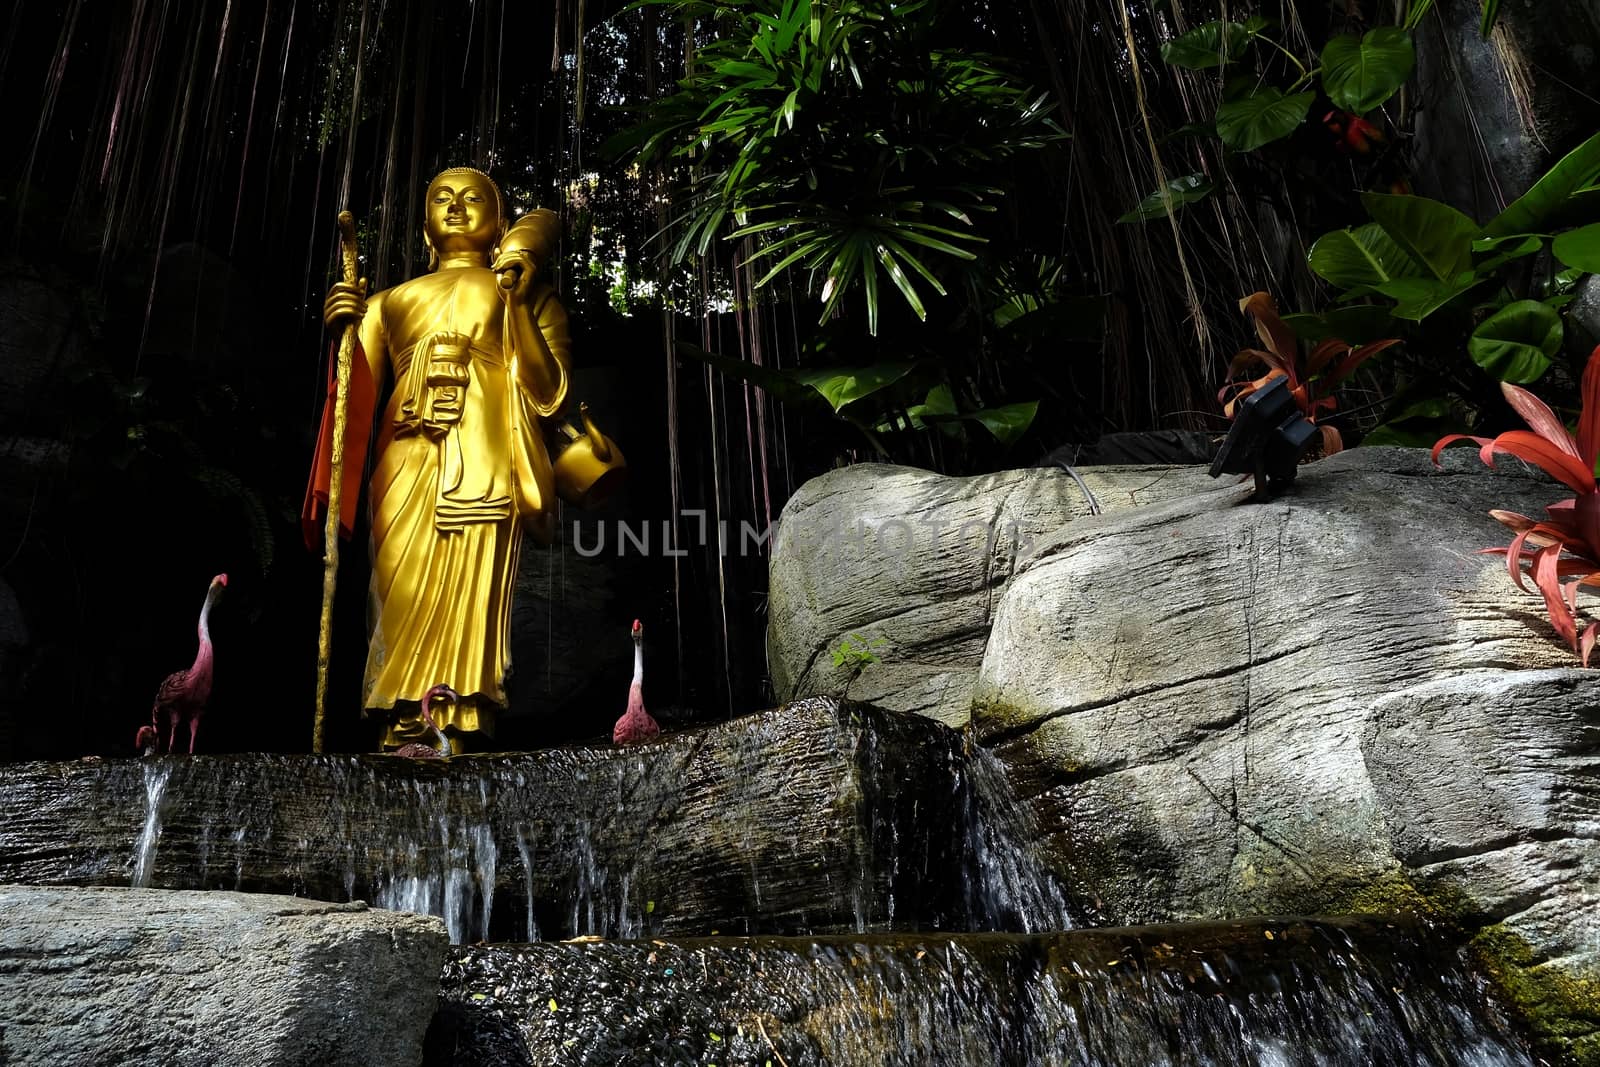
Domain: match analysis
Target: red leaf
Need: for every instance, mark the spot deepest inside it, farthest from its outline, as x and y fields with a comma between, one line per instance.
x=1545, y=576
x=1514, y=519
x=1514, y=557
x=1348, y=365
x=1322, y=354
x=1534, y=448
x=1269, y=327
x=1586, y=518
x=1586, y=646
x=1537, y=414
x=1444, y=442
x=1246, y=357
x=1589, y=420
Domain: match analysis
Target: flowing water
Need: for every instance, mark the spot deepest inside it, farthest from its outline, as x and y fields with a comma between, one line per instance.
x=144, y=850
x=1268, y=993
x=1007, y=887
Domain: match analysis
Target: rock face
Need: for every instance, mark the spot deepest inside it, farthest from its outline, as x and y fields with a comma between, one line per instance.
x=811, y=817
x=141, y=976
x=1322, y=703
x=1363, y=992
x=907, y=566
x=1490, y=783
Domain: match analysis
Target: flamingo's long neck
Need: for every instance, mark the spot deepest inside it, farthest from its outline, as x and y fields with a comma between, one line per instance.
x=638, y=662
x=202, y=657
x=427, y=714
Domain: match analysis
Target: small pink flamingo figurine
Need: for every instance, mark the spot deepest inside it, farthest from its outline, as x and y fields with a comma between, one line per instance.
x=636, y=724
x=418, y=750
x=184, y=694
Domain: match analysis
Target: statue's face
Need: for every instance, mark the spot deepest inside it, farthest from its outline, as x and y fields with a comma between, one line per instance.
x=463, y=212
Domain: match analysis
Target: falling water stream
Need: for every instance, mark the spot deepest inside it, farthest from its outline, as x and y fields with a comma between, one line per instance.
x=144, y=851
x=1265, y=993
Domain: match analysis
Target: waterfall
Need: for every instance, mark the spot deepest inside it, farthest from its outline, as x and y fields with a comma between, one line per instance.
x=156, y=775
x=1292, y=993
x=1007, y=886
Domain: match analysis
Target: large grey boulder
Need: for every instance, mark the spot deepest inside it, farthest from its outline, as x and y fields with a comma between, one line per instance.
x=1325, y=702
x=907, y=565
x=146, y=976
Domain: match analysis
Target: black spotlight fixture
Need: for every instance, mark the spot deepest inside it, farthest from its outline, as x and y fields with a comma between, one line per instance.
x=1267, y=439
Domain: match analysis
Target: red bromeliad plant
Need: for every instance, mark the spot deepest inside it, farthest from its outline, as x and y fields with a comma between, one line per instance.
x=1566, y=545
x=1312, y=379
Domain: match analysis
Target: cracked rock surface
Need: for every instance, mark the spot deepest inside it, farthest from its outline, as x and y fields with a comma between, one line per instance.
x=1328, y=702
x=909, y=566
x=151, y=976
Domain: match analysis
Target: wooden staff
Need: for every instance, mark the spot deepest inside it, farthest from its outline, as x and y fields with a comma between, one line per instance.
x=330, y=531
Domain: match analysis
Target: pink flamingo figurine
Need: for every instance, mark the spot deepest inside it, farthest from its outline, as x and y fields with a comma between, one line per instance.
x=636, y=724
x=184, y=694
x=147, y=740
x=418, y=750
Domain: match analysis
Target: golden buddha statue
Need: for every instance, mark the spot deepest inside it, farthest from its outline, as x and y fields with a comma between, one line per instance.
x=478, y=352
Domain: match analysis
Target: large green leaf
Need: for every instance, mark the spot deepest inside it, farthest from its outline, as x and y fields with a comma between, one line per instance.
x=1580, y=248
x=1561, y=197
x=1436, y=235
x=1010, y=422
x=1505, y=249
x=1358, y=324
x=1210, y=45
x=778, y=383
x=1491, y=12
x=1364, y=256
x=1417, y=298
x=1261, y=118
x=845, y=385
x=1515, y=344
x=1360, y=73
x=1163, y=202
x=941, y=402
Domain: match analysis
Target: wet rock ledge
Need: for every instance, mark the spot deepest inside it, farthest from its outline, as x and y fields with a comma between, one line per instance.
x=815, y=816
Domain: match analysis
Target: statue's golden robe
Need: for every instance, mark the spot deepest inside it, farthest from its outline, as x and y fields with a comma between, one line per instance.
x=461, y=469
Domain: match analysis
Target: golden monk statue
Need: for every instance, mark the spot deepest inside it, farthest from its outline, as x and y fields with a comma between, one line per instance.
x=479, y=356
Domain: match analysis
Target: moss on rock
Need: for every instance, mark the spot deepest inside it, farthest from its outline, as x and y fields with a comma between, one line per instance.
x=1562, y=1009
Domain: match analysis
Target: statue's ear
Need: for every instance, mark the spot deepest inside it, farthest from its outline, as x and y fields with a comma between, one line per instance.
x=433, y=256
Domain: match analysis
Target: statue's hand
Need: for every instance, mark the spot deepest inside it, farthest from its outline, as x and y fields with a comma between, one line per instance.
x=346, y=304
x=516, y=269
